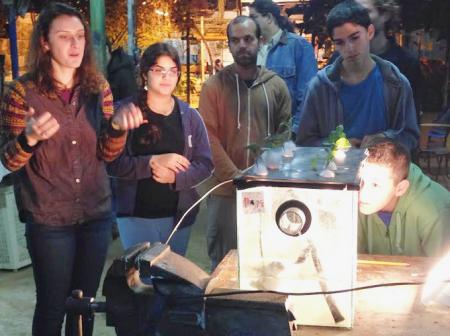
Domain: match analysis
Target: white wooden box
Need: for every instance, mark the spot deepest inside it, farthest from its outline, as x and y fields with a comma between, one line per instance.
x=297, y=233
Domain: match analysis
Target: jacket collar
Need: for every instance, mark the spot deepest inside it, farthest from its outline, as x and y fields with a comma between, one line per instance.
x=387, y=70
x=184, y=107
x=284, y=37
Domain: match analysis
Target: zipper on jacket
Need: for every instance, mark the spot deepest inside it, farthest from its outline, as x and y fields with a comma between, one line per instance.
x=388, y=236
x=248, y=123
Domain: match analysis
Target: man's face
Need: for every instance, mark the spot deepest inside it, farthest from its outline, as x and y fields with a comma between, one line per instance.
x=243, y=43
x=378, y=189
x=263, y=21
x=352, y=41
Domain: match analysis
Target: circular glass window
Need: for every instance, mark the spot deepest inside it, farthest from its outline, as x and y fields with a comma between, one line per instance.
x=293, y=218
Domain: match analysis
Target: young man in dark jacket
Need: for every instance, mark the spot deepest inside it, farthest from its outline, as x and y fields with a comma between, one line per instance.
x=366, y=94
x=384, y=16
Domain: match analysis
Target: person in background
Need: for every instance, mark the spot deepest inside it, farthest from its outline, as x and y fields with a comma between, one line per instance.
x=57, y=131
x=284, y=52
x=241, y=105
x=402, y=211
x=165, y=158
x=218, y=65
x=364, y=93
x=120, y=73
x=384, y=16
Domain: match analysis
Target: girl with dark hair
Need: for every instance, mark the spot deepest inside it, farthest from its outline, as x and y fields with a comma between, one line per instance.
x=164, y=159
x=57, y=130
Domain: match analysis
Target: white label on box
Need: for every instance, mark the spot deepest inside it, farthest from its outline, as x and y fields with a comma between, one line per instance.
x=253, y=202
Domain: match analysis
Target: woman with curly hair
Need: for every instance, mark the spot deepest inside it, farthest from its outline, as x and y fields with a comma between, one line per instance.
x=57, y=131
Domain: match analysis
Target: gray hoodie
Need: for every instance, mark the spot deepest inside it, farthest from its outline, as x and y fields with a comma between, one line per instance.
x=323, y=110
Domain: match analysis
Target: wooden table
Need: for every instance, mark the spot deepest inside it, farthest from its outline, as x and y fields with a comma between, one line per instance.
x=382, y=311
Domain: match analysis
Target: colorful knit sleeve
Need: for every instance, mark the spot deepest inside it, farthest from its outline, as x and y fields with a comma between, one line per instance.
x=14, y=150
x=111, y=142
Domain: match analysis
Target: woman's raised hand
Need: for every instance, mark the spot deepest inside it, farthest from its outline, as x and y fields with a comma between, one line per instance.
x=127, y=117
x=40, y=128
x=175, y=162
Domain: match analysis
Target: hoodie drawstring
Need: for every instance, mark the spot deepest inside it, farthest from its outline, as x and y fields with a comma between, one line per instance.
x=268, y=110
x=239, y=103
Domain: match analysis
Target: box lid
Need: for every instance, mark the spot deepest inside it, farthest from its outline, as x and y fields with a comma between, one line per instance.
x=303, y=169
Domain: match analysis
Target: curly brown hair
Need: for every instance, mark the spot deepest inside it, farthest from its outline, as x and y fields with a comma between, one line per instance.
x=392, y=154
x=39, y=61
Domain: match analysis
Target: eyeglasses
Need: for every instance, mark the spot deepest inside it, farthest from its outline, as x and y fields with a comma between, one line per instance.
x=161, y=72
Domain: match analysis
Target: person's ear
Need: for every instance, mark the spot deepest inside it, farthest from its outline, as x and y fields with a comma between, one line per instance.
x=402, y=187
x=44, y=44
x=371, y=31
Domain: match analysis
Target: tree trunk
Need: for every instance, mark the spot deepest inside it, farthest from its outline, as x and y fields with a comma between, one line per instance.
x=12, y=35
x=97, y=23
x=131, y=26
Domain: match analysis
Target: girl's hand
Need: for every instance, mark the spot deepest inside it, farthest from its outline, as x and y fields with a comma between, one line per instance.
x=127, y=117
x=175, y=162
x=40, y=128
x=163, y=175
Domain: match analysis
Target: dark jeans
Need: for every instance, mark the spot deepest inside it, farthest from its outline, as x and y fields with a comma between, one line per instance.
x=63, y=259
x=221, y=232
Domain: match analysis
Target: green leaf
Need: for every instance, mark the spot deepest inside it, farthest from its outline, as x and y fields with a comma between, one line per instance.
x=274, y=140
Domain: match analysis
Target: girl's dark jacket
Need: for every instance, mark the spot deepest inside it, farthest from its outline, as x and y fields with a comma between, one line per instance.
x=130, y=168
